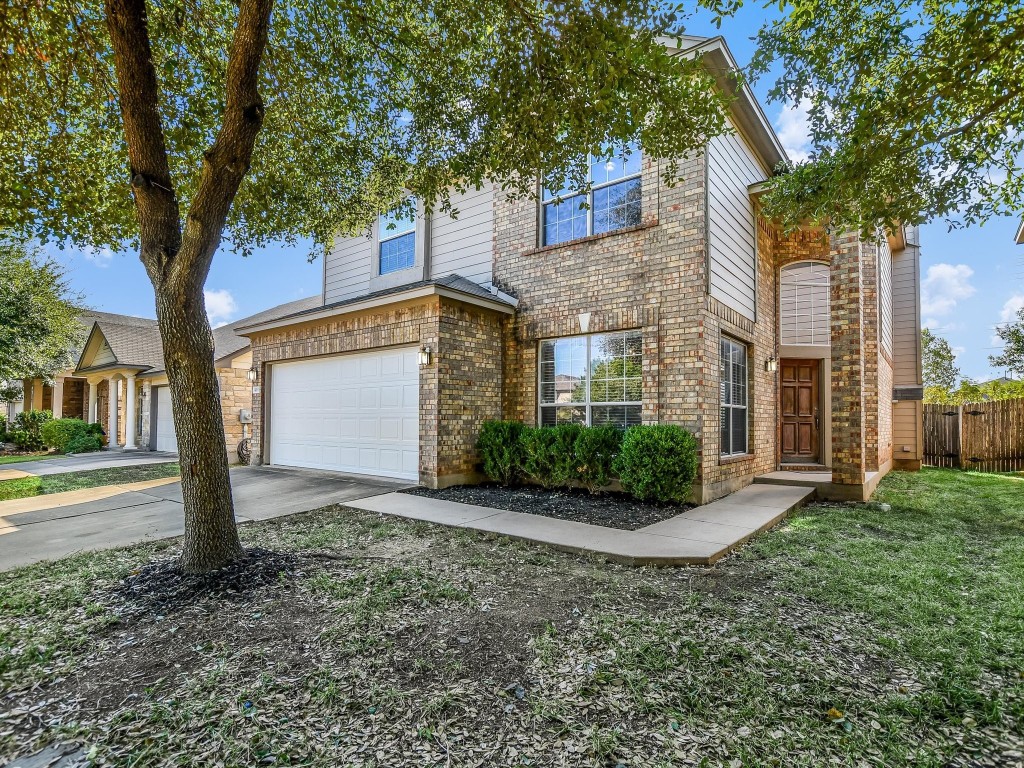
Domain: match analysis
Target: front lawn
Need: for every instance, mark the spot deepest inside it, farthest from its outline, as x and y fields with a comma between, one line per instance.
x=24, y=487
x=18, y=458
x=848, y=636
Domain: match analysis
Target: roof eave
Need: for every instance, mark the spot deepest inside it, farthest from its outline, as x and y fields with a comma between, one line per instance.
x=1019, y=239
x=380, y=301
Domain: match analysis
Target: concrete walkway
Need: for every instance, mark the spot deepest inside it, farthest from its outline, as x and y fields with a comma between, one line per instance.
x=699, y=536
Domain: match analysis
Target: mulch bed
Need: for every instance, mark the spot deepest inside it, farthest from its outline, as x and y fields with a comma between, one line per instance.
x=612, y=510
x=163, y=588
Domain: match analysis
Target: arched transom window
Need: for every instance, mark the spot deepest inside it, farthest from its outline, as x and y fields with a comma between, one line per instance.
x=804, y=304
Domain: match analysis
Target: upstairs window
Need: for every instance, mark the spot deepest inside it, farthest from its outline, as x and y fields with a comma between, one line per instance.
x=595, y=379
x=397, y=240
x=612, y=203
x=804, y=313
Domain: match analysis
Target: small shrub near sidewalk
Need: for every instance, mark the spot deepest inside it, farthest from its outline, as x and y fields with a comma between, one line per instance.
x=657, y=462
x=72, y=435
x=501, y=450
x=540, y=444
x=25, y=432
x=596, y=449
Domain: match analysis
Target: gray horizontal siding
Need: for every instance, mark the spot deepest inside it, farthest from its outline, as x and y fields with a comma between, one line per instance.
x=349, y=268
x=732, y=237
x=906, y=316
x=464, y=245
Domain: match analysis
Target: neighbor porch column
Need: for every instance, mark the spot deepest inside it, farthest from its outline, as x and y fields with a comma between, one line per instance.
x=129, y=412
x=112, y=413
x=57, y=406
x=91, y=413
x=848, y=381
x=37, y=394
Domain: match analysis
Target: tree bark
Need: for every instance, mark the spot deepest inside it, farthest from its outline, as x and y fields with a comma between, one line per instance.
x=178, y=259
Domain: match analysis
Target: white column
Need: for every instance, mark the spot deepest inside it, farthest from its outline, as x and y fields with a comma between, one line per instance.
x=93, y=416
x=112, y=413
x=58, y=397
x=129, y=412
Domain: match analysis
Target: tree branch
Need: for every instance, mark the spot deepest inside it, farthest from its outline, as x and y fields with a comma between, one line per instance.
x=227, y=161
x=152, y=187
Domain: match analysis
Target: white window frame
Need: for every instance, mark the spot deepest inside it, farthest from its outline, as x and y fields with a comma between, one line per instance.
x=734, y=407
x=589, y=195
x=587, y=404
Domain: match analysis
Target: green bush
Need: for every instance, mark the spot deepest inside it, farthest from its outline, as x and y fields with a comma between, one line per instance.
x=26, y=429
x=57, y=433
x=564, y=469
x=540, y=446
x=83, y=442
x=657, y=463
x=3, y=429
x=595, y=452
x=501, y=450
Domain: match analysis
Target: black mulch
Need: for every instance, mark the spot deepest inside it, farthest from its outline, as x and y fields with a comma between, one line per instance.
x=612, y=510
x=162, y=587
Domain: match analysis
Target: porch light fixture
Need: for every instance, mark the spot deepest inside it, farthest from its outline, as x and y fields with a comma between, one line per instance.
x=253, y=374
x=425, y=354
x=771, y=365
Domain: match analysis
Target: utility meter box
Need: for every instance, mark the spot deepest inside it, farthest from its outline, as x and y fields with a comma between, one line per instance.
x=245, y=416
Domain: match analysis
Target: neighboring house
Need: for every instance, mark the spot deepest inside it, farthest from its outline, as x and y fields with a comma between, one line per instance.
x=1019, y=239
x=658, y=304
x=123, y=355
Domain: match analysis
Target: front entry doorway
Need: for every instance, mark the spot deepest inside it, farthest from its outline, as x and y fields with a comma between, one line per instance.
x=801, y=443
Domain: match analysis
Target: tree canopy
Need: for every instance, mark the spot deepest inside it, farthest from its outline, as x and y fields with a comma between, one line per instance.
x=938, y=366
x=39, y=328
x=360, y=101
x=916, y=109
x=1012, y=336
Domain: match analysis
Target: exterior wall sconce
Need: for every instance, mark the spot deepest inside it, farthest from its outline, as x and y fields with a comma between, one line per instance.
x=425, y=354
x=771, y=365
x=253, y=374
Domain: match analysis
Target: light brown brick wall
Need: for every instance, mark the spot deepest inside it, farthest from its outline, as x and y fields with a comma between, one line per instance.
x=461, y=382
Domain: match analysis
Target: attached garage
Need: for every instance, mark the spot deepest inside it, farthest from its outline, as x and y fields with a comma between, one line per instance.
x=356, y=413
x=166, y=438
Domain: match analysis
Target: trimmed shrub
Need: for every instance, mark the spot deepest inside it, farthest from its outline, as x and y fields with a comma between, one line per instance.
x=657, y=463
x=3, y=429
x=57, y=433
x=83, y=442
x=25, y=433
x=596, y=449
x=501, y=450
x=564, y=469
x=540, y=446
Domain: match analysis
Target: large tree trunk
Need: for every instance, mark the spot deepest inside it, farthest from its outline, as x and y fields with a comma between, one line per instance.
x=211, y=538
x=178, y=260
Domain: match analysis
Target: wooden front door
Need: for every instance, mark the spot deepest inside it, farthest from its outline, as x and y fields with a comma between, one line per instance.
x=800, y=443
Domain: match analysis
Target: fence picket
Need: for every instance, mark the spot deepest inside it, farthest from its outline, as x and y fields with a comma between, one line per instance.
x=987, y=436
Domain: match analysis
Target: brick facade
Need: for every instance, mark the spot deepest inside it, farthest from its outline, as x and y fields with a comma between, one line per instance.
x=458, y=390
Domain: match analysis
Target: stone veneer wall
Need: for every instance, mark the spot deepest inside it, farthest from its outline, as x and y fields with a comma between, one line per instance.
x=460, y=383
x=235, y=394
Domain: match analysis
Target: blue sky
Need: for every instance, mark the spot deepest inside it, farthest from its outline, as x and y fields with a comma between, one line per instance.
x=971, y=279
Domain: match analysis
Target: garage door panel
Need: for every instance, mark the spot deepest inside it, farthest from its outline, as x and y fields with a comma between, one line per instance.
x=351, y=413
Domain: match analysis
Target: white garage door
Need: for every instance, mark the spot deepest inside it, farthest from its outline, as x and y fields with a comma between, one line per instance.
x=354, y=413
x=166, y=439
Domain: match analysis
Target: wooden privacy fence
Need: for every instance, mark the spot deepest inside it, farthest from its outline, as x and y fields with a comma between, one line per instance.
x=988, y=437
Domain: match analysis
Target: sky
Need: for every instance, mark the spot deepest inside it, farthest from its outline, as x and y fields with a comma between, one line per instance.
x=971, y=279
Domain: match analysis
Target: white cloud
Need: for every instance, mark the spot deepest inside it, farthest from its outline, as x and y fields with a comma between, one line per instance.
x=931, y=323
x=794, y=129
x=944, y=286
x=220, y=306
x=100, y=257
x=1013, y=305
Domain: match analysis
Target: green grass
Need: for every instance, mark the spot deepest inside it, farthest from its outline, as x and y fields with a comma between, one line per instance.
x=32, y=457
x=25, y=487
x=444, y=647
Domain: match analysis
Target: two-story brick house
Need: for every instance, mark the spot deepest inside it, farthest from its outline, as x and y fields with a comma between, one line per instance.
x=646, y=303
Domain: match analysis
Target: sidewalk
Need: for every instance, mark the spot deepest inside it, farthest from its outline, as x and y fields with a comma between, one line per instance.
x=699, y=536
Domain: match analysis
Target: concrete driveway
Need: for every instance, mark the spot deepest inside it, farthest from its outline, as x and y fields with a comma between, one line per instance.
x=260, y=493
